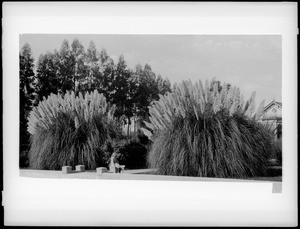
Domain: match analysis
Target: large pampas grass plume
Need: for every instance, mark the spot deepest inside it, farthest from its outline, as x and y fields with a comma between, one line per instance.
x=71, y=130
x=207, y=130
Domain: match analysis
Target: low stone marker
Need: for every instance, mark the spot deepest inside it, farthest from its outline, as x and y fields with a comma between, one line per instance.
x=80, y=168
x=66, y=169
x=101, y=170
x=112, y=168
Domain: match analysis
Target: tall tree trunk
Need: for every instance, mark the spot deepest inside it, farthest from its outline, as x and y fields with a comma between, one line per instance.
x=75, y=76
x=128, y=126
x=74, y=83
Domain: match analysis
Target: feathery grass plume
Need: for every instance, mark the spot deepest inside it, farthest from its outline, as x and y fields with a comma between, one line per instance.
x=71, y=130
x=207, y=134
x=260, y=110
x=250, y=109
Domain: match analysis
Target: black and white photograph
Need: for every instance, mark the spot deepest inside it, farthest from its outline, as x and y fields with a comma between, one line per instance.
x=123, y=122
x=86, y=110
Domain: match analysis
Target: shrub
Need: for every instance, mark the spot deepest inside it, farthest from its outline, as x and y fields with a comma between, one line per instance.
x=71, y=130
x=143, y=139
x=207, y=131
x=24, y=139
x=23, y=158
x=133, y=155
x=277, y=144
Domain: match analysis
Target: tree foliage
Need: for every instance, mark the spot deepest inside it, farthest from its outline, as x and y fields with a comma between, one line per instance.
x=92, y=73
x=80, y=70
x=48, y=80
x=27, y=93
x=149, y=87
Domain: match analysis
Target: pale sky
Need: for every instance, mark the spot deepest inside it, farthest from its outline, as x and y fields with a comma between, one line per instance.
x=253, y=63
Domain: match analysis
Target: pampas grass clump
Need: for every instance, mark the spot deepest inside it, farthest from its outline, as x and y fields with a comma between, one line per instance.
x=71, y=131
x=207, y=131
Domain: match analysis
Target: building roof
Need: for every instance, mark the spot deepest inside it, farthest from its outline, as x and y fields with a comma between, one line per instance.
x=273, y=103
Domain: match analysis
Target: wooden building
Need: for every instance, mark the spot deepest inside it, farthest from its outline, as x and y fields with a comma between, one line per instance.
x=273, y=117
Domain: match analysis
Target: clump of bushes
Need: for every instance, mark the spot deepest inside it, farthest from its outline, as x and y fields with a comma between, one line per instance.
x=207, y=131
x=71, y=130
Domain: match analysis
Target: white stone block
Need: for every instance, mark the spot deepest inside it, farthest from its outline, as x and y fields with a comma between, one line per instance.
x=66, y=169
x=101, y=170
x=112, y=168
x=80, y=168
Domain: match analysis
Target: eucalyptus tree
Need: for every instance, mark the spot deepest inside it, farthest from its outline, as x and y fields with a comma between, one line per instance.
x=48, y=78
x=78, y=67
x=93, y=73
x=27, y=93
